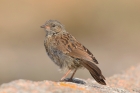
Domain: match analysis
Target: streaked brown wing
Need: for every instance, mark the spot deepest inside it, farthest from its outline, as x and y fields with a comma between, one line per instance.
x=70, y=46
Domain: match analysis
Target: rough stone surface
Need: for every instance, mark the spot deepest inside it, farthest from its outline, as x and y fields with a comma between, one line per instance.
x=127, y=82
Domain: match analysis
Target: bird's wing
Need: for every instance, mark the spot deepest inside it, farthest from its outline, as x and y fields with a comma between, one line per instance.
x=70, y=46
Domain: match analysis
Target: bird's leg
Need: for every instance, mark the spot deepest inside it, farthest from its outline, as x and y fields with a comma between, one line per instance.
x=73, y=74
x=65, y=74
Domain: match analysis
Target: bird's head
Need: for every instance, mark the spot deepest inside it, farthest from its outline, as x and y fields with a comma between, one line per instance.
x=53, y=27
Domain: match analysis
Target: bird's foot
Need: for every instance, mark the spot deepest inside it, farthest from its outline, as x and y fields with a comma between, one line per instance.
x=74, y=80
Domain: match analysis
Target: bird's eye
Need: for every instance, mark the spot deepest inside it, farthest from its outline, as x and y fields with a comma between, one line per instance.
x=53, y=25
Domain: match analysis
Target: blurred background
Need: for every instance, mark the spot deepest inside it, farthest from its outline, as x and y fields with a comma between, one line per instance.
x=110, y=29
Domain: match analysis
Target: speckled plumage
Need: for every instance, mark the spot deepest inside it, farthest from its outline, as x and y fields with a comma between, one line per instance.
x=66, y=52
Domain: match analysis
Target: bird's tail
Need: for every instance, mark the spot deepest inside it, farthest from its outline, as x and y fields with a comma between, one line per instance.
x=94, y=71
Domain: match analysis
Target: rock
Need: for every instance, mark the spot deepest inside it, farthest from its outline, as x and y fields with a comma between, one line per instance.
x=127, y=82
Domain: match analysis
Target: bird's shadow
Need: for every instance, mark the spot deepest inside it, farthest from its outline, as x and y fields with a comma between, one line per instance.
x=74, y=80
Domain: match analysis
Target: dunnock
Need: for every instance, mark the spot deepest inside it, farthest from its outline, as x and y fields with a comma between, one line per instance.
x=66, y=52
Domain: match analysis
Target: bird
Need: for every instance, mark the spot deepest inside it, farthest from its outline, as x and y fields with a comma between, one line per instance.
x=68, y=53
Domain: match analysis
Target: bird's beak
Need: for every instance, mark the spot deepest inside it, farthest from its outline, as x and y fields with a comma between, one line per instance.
x=46, y=27
x=43, y=26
